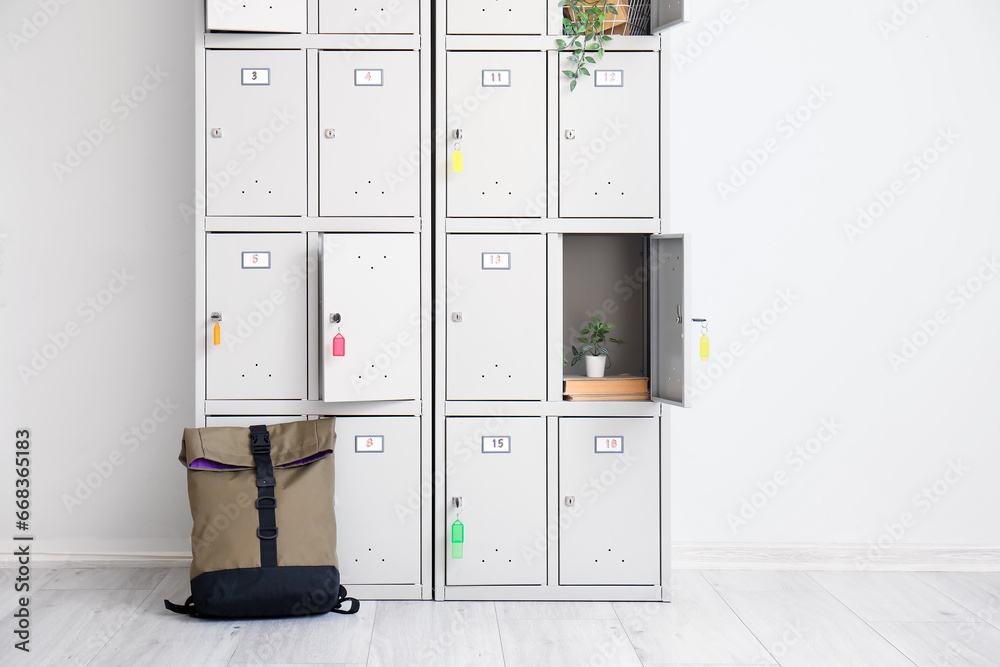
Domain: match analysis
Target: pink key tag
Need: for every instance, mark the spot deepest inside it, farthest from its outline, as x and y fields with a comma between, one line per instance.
x=338, y=346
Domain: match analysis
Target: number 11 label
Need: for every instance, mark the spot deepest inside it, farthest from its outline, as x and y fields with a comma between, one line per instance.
x=496, y=78
x=496, y=444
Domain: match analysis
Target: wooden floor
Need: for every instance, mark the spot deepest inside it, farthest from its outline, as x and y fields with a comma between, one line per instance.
x=115, y=617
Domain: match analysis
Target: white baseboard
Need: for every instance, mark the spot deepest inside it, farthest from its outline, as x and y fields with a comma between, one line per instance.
x=908, y=557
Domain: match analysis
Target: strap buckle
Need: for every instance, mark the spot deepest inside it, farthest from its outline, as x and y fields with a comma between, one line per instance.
x=265, y=481
x=266, y=503
x=258, y=447
x=267, y=533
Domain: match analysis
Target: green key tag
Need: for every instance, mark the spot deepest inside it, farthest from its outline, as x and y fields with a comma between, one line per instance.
x=457, y=538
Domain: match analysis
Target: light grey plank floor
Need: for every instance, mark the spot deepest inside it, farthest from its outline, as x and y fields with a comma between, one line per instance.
x=115, y=616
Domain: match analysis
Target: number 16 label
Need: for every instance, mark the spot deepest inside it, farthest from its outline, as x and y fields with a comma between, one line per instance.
x=609, y=444
x=496, y=444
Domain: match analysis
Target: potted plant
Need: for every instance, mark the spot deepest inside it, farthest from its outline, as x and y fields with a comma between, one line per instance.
x=585, y=22
x=593, y=350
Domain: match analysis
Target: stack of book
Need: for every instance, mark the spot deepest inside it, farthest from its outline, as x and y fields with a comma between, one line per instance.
x=612, y=388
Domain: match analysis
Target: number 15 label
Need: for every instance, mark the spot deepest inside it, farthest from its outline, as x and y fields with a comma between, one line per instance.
x=496, y=444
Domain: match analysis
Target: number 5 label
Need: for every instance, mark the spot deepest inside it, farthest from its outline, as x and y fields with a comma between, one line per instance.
x=496, y=444
x=609, y=444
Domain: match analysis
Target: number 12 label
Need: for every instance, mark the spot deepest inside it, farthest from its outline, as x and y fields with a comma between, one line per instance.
x=609, y=444
x=496, y=444
x=493, y=261
x=609, y=78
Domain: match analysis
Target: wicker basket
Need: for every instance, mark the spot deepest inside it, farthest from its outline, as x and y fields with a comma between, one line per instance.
x=632, y=17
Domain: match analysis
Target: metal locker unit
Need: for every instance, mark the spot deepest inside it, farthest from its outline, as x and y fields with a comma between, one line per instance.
x=369, y=133
x=256, y=125
x=496, y=317
x=497, y=17
x=256, y=15
x=496, y=118
x=609, y=491
x=609, y=138
x=496, y=487
x=369, y=17
x=371, y=298
x=378, y=499
x=262, y=344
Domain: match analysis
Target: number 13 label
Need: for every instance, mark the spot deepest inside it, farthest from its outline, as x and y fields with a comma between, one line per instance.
x=496, y=444
x=496, y=261
x=609, y=444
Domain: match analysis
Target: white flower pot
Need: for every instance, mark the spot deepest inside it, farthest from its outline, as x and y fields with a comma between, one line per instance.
x=596, y=365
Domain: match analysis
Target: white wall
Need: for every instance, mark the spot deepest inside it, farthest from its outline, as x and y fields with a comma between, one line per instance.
x=824, y=358
x=854, y=297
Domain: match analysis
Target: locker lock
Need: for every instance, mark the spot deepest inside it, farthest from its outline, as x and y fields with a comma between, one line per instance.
x=217, y=316
x=456, y=502
x=456, y=317
x=457, y=134
x=330, y=134
x=216, y=132
x=334, y=318
x=570, y=501
x=571, y=134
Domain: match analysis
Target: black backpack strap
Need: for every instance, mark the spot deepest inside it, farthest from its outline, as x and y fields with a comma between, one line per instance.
x=342, y=598
x=187, y=608
x=260, y=446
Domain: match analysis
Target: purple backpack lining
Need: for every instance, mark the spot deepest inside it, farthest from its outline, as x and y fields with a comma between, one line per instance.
x=208, y=464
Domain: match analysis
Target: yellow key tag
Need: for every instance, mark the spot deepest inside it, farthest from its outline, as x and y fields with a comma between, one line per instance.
x=704, y=347
x=456, y=161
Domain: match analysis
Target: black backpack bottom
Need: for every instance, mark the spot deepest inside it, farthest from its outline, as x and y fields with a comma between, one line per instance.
x=266, y=592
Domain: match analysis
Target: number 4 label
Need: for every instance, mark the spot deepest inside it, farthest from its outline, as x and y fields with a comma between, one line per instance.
x=496, y=444
x=609, y=444
x=367, y=77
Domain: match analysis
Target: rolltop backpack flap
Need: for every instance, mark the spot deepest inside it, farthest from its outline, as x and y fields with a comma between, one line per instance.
x=264, y=539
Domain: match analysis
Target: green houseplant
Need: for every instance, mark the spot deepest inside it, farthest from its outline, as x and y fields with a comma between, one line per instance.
x=585, y=27
x=594, y=337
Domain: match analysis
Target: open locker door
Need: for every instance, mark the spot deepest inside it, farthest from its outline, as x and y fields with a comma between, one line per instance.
x=670, y=289
x=668, y=13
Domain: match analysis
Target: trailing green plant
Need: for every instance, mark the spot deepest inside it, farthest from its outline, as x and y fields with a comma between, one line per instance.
x=594, y=336
x=586, y=32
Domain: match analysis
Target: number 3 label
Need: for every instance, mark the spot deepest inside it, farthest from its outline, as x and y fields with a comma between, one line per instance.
x=256, y=77
x=609, y=444
x=496, y=444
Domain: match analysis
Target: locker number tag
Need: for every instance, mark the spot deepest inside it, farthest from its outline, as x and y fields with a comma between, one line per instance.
x=256, y=77
x=496, y=78
x=609, y=78
x=256, y=260
x=367, y=77
x=369, y=443
x=493, y=261
x=609, y=444
x=496, y=444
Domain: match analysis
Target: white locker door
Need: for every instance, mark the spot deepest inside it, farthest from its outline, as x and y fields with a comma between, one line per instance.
x=256, y=125
x=495, y=339
x=256, y=15
x=371, y=282
x=496, y=17
x=609, y=138
x=370, y=17
x=609, y=501
x=262, y=348
x=669, y=261
x=496, y=466
x=496, y=101
x=378, y=499
x=369, y=133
